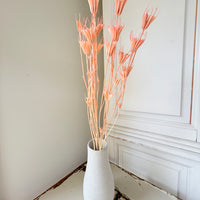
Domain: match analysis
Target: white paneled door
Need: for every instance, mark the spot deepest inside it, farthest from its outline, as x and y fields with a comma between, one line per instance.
x=157, y=135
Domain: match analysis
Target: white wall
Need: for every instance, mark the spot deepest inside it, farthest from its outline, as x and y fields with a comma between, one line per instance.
x=157, y=134
x=43, y=121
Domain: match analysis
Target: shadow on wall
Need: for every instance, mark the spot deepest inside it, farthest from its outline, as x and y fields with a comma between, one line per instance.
x=43, y=119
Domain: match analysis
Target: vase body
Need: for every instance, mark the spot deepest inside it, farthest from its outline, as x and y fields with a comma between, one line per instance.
x=98, y=181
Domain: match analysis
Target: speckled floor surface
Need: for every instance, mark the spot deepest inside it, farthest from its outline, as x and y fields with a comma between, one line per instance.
x=128, y=187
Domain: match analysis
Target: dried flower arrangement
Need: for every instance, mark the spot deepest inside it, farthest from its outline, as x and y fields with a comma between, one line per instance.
x=115, y=74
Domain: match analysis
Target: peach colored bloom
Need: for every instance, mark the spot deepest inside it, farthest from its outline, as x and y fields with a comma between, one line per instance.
x=101, y=121
x=89, y=34
x=119, y=6
x=86, y=46
x=126, y=71
x=122, y=57
x=148, y=18
x=79, y=25
x=98, y=28
x=115, y=32
x=136, y=42
x=93, y=6
x=110, y=48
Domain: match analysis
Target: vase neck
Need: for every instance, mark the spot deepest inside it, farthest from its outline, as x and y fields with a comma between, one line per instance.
x=97, y=156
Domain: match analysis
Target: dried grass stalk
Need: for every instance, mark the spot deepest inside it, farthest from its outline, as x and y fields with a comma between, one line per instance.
x=115, y=74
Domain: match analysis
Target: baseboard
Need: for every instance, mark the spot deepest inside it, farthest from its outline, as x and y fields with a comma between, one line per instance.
x=170, y=164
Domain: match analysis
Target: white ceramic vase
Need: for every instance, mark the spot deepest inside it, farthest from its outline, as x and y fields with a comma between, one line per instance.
x=98, y=180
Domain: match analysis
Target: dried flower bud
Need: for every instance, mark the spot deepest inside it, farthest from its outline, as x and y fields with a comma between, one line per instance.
x=119, y=6
x=87, y=32
x=125, y=71
x=136, y=42
x=93, y=6
x=122, y=57
x=115, y=32
x=79, y=25
x=98, y=28
x=86, y=46
x=110, y=48
x=148, y=18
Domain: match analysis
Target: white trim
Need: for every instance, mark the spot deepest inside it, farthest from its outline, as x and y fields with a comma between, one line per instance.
x=177, y=126
x=172, y=129
x=168, y=142
x=179, y=168
x=187, y=66
x=186, y=149
x=196, y=87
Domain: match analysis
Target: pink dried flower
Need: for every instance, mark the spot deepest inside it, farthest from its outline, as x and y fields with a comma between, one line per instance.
x=93, y=6
x=119, y=6
x=110, y=48
x=86, y=46
x=98, y=28
x=136, y=42
x=128, y=70
x=79, y=25
x=122, y=57
x=148, y=17
x=116, y=73
x=88, y=34
x=115, y=32
x=125, y=71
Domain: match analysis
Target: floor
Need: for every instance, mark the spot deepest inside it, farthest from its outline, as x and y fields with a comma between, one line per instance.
x=127, y=187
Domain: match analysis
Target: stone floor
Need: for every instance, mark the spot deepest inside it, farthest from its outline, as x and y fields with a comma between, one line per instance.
x=128, y=187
